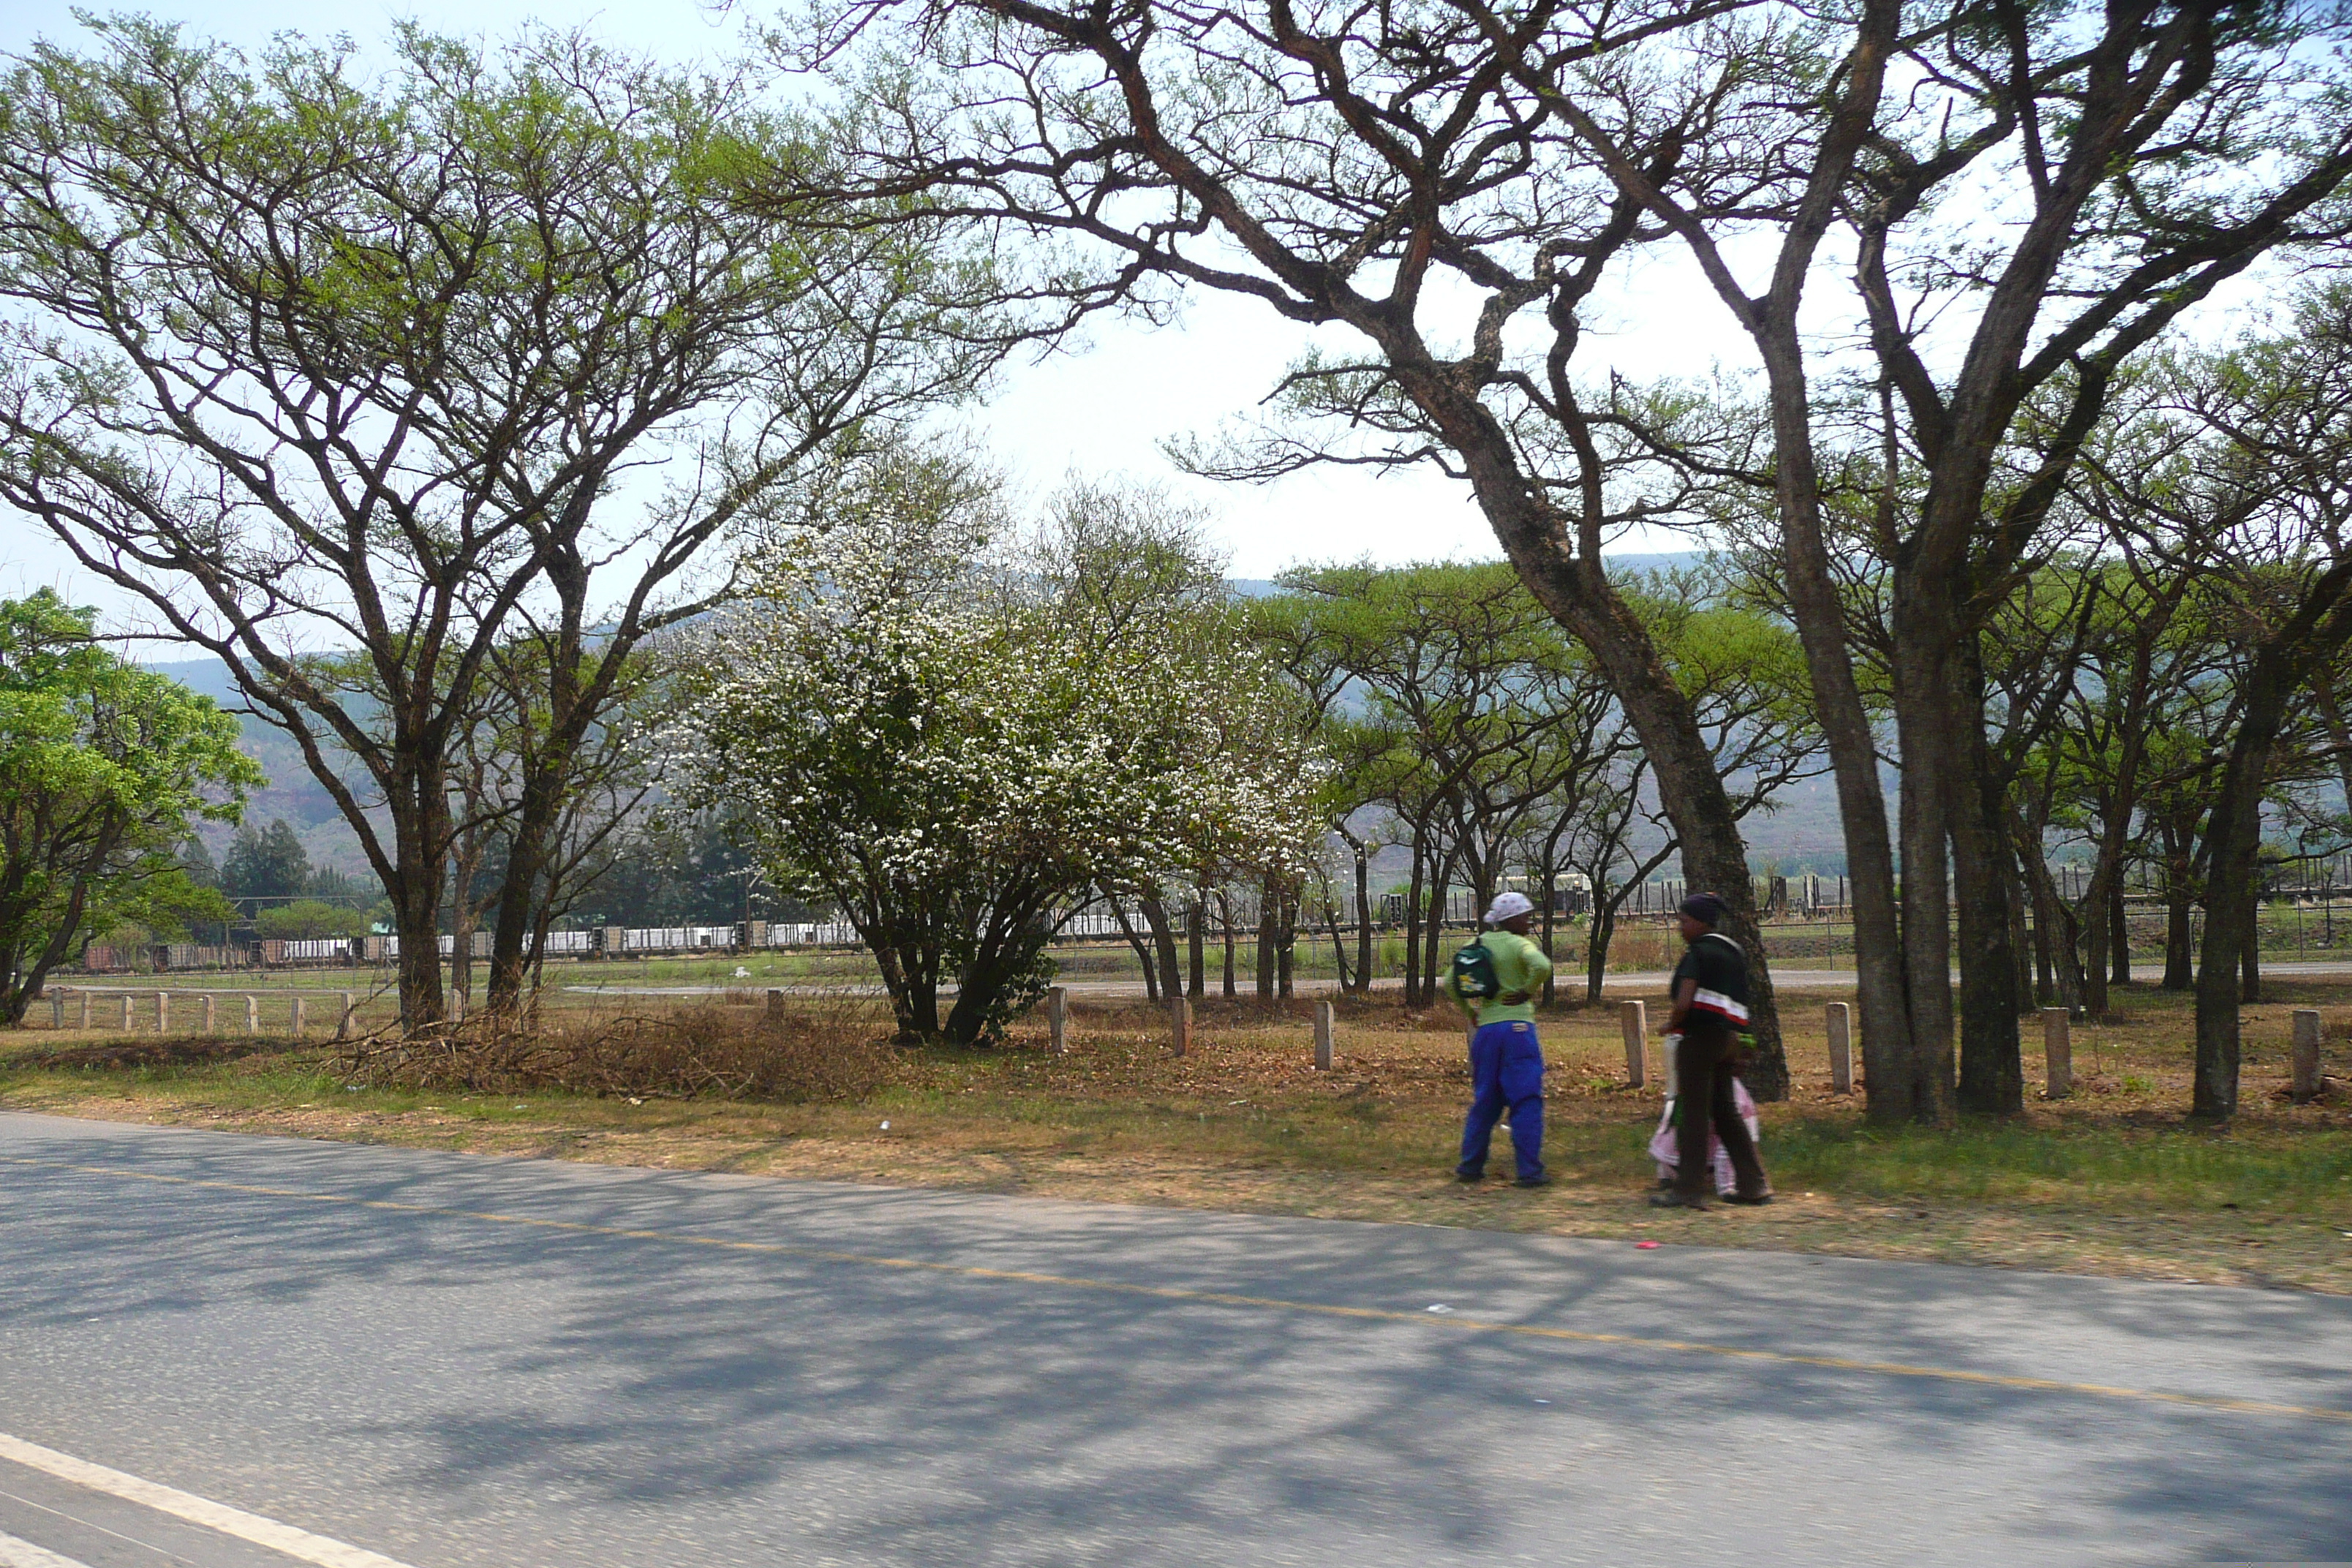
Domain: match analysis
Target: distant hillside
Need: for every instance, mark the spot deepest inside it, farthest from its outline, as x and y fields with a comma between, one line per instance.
x=1803, y=835
x=291, y=793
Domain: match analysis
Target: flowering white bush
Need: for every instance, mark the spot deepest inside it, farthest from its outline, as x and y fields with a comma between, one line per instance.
x=953, y=746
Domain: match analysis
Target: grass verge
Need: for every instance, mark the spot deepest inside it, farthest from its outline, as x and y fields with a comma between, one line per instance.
x=2114, y=1182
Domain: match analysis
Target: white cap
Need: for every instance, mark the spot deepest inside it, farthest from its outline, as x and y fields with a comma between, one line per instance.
x=1508, y=906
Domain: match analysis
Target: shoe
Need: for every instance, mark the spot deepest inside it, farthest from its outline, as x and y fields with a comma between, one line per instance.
x=1532, y=1182
x=1758, y=1201
x=1677, y=1201
x=1469, y=1178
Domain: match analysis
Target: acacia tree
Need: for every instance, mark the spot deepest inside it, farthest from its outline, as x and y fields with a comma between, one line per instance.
x=2263, y=502
x=1366, y=168
x=951, y=744
x=104, y=770
x=314, y=361
x=2031, y=195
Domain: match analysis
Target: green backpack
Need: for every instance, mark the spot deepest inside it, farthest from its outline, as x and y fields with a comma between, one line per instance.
x=1473, y=974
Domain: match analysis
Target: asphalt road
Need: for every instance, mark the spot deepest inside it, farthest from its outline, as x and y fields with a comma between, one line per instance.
x=434, y=1359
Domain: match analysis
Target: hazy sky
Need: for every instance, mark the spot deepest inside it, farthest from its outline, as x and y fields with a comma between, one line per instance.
x=1101, y=408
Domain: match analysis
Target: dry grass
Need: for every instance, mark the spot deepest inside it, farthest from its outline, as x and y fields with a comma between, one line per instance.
x=716, y=1050
x=2115, y=1181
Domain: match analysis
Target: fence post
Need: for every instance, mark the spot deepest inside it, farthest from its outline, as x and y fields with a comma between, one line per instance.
x=1180, y=1013
x=775, y=1003
x=457, y=1007
x=1057, y=1018
x=84, y=1009
x=294, y=1028
x=1841, y=1028
x=57, y=1010
x=1633, y=1023
x=1323, y=1011
x=343, y=1021
x=126, y=1012
x=208, y=1012
x=162, y=1012
x=252, y=1016
x=2058, y=1051
x=2307, y=1054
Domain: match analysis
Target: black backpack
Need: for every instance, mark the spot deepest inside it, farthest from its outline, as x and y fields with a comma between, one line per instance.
x=1473, y=973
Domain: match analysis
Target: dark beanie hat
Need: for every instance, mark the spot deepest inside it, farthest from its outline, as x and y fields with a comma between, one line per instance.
x=1706, y=907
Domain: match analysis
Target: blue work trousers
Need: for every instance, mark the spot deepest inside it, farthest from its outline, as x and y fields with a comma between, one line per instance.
x=1506, y=1069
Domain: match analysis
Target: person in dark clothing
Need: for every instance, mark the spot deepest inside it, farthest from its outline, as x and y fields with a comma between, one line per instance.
x=1710, y=1012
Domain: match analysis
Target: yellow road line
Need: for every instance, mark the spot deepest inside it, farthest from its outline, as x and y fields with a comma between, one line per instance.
x=1232, y=1298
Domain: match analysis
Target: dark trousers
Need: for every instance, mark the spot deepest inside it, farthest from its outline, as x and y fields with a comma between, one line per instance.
x=1506, y=1069
x=1702, y=1075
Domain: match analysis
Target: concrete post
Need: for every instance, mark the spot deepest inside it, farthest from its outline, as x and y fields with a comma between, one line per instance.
x=775, y=1003
x=2307, y=1056
x=1057, y=1018
x=1841, y=1027
x=207, y=1006
x=84, y=1009
x=126, y=1012
x=1180, y=1013
x=252, y=1016
x=2058, y=1051
x=1633, y=1023
x=343, y=1019
x=162, y=1012
x=294, y=1028
x=457, y=1007
x=1323, y=1011
x=57, y=1010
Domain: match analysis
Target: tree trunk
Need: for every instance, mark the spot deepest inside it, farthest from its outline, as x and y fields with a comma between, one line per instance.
x=1266, y=918
x=1922, y=1088
x=1164, y=939
x=2054, y=922
x=1339, y=950
x=2119, y=929
x=2092, y=923
x=1225, y=920
x=2234, y=835
x=2180, y=910
x=1596, y=947
x=1142, y=950
x=1196, y=955
x=1549, y=877
x=1286, y=941
x=2021, y=937
x=1413, y=1000
x=1363, y=922
x=1992, y=1068
x=415, y=898
x=524, y=887
x=923, y=1004
x=982, y=988
x=1434, y=932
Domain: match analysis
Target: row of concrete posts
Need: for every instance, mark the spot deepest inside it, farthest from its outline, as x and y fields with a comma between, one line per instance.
x=297, y=1018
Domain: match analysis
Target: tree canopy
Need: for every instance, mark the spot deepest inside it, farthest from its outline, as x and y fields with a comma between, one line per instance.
x=104, y=770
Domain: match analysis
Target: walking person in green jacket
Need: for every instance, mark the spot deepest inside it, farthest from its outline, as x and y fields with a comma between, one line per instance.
x=1495, y=981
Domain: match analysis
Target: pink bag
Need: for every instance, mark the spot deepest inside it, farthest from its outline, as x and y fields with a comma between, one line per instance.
x=1664, y=1151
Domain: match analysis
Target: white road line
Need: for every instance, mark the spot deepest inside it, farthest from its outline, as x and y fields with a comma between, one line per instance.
x=300, y=1544
x=15, y=1554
